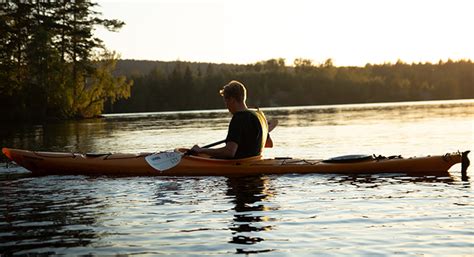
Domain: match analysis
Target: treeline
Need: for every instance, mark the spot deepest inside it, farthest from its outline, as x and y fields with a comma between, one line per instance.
x=185, y=86
x=51, y=65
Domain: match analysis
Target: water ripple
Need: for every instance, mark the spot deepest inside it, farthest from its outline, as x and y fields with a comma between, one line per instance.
x=291, y=215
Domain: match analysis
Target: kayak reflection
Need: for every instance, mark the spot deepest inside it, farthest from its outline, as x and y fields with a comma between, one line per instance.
x=377, y=180
x=250, y=195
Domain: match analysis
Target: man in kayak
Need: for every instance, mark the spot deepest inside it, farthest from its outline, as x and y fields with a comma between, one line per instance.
x=248, y=129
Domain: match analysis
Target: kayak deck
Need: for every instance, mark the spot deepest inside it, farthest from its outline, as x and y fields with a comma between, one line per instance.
x=47, y=163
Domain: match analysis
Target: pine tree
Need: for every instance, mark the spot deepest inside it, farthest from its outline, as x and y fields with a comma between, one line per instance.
x=51, y=64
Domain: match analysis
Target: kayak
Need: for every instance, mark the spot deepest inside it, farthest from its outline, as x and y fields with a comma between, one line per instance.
x=47, y=163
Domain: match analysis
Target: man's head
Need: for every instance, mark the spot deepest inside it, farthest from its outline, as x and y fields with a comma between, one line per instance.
x=236, y=90
x=234, y=94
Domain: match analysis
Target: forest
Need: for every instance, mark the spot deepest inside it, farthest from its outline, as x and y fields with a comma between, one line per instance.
x=51, y=65
x=163, y=86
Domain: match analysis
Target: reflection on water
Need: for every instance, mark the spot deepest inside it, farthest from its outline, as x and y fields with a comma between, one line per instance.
x=250, y=195
x=55, y=136
x=373, y=181
x=296, y=215
x=36, y=214
x=373, y=113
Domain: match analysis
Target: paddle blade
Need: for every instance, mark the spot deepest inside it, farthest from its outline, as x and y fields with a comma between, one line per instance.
x=164, y=160
x=269, y=143
x=272, y=124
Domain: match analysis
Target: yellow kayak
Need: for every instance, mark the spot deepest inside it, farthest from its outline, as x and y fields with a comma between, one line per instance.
x=46, y=163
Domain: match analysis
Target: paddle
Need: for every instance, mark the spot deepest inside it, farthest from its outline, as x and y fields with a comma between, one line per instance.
x=214, y=144
x=166, y=160
x=269, y=144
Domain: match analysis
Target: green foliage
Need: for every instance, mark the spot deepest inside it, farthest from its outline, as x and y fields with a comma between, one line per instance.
x=184, y=86
x=51, y=65
x=102, y=87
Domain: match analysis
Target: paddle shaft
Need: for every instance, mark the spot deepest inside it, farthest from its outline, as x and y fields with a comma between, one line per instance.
x=214, y=144
x=272, y=125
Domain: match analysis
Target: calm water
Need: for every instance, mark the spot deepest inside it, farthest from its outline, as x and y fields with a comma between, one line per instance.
x=291, y=215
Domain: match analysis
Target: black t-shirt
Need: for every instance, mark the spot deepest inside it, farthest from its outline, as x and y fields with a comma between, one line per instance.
x=245, y=129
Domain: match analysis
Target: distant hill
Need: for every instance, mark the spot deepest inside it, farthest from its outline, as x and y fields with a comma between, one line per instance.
x=129, y=67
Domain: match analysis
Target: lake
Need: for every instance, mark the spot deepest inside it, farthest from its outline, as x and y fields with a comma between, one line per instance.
x=268, y=215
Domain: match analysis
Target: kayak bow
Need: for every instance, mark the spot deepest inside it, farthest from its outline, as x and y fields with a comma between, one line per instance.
x=46, y=163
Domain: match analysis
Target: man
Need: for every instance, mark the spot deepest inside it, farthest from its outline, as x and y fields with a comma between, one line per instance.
x=248, y=129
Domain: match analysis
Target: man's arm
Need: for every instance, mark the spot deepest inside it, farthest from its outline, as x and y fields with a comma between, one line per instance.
x=226, y=152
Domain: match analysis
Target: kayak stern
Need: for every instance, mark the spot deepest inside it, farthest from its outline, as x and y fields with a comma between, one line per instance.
x=7, y=153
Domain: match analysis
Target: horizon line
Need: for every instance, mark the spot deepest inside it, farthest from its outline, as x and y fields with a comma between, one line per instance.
x=316, y=64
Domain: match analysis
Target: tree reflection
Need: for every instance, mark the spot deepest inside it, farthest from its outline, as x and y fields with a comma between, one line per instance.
x=249, y=196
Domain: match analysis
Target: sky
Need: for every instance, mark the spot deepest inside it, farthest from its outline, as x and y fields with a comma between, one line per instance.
x=350, y=32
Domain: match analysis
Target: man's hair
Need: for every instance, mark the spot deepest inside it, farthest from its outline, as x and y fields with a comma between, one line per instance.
x=235, y=90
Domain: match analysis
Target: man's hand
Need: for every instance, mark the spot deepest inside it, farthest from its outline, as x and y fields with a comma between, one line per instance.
x=196, y=149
